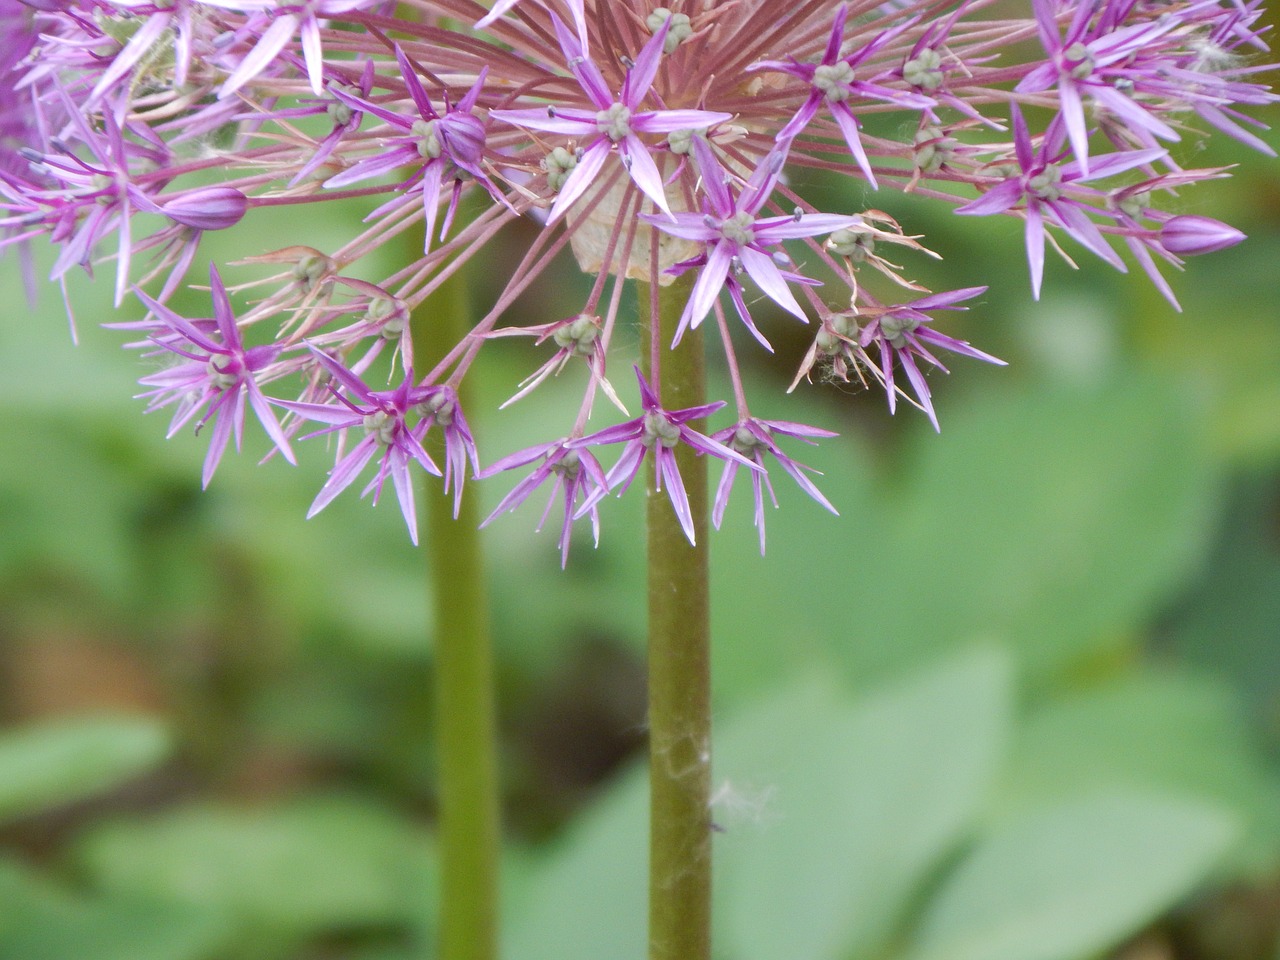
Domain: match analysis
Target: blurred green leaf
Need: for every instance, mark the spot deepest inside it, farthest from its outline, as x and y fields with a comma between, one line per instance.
x=1053, y=518
x=62, y=761
x=863, y=800
x=39, y=921
x=1175, y=732
x=587, y=899
x=1072, y=880
x=1230, y=619
x=315, y=865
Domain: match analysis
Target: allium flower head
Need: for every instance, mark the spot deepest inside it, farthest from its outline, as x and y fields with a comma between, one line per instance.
x=646, y=141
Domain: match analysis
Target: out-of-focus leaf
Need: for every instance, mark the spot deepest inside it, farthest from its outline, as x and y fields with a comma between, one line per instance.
x=319, y=864
x=1074, y=879
x=1229, y=622
x=116, y=929
x=863, y=800
x=1174, y=732
x=775, y=616
x=39, y=921
x=1055, y=519
x=59, y=762
x=586, y=900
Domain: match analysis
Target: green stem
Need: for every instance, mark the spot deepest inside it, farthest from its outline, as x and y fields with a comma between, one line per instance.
x=466, y=728
x=679, y=667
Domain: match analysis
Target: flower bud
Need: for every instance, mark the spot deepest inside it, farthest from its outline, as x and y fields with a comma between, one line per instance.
x=463, y=136
x=207, y=208
x=1190, y=234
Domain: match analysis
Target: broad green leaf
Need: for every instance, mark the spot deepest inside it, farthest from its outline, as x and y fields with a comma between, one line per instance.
x=775, y=615
x=1228, y=623
x=1072, y=880
x=58, y=762
x=587, y=899
x=860, y=801
x=116, y=929
x=1176, y=732
x=41, y=921
x=318, y=864
x=1052, y=518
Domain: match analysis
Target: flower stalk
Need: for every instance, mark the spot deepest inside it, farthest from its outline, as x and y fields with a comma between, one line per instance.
x=679, y=662
x=465, y=721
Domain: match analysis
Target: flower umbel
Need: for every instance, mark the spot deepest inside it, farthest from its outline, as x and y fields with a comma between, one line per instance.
x=647, y=140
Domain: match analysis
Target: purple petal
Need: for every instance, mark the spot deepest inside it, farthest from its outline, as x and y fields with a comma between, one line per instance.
x=761, y=268
x=644, y=171
x=580, y=177
x=640, y=76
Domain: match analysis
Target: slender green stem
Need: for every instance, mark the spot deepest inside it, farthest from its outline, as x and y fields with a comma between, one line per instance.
x=466, y=728
x=679, y=668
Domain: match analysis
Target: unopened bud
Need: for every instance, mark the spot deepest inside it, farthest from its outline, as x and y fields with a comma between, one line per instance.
x=1190, y=234
x=207, y=208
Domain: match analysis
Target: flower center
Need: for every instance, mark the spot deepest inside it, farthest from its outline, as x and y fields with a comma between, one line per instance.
x=659, y=430
x=382, y=426
x=738, y=228
x=833, y=79
x=615, y=123
x=224, y=371
x=1078, y=60
x=568, y=466
x=896, y=327
x=429, y=147
x=854, y=244
x=1047, y=183
x=578, y=336
x=439, y=406
x=924, y=70
x=558, y=164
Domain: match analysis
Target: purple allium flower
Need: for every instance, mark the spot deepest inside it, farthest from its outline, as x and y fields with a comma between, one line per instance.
x=902, y=333
x=448, y=146
x=659, y=431
x=614, y=124
x=217, y=377
x=138, y=125
x=834, y=81
x=1046, y=186
x=1105, y=59
x=735, y=236
x=382, y=415
x=754, y=438
x=575, y=474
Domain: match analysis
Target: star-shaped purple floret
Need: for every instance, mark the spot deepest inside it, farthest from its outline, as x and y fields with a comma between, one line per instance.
x=903, y=332
x=1100, y=58
x=575, y=474
x=736, y=238
x=448, y=143
x=614, y=124
x=218, y=376
x=382, y=415
x=753, y=438
x=659, y=431
x=1043, y=182
x=833, y=81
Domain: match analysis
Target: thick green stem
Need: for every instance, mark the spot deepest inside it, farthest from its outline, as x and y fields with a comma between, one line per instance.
x=466, y=729
x=679, y=668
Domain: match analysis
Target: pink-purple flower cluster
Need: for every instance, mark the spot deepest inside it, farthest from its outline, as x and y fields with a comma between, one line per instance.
x=645, y=141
